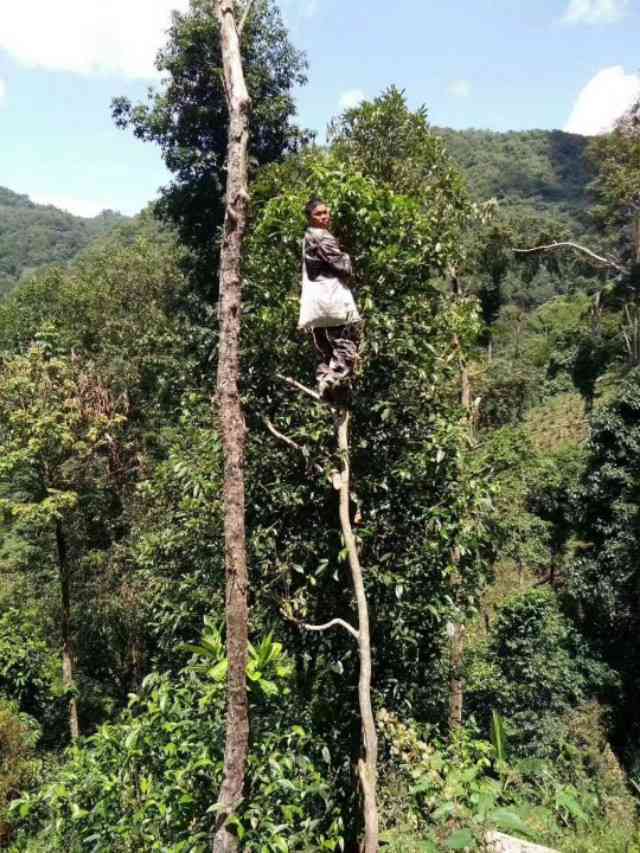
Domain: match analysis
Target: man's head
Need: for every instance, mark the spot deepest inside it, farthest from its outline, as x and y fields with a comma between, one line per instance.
x=318, y=214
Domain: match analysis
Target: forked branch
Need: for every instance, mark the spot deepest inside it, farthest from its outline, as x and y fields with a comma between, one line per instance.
x=550, y=247
x=285, y=439
x=367, y=764
x=245, y=15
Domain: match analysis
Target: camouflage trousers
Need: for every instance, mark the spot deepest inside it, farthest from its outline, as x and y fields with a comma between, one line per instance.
x=338, y=346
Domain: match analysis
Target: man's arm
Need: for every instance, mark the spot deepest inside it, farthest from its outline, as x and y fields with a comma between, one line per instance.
x=328, y=250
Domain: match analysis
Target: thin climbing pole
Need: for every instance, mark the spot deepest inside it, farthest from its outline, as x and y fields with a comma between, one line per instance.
x=233, y=428
x=367, y=765
x=368, y=762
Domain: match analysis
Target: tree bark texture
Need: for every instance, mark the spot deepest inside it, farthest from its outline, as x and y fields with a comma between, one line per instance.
x=456, y=683
x=367, y=765
x=233, y=431
x=635, y=238
x=457, y=629
x=68, y=651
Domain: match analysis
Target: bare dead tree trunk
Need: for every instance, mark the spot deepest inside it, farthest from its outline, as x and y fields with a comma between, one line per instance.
x=367, y=765
x=136, y=662
x=233, y=429
x=457, y=630
x=633, y=310
x=456, y=683
x=635, y=238
x=68, y=651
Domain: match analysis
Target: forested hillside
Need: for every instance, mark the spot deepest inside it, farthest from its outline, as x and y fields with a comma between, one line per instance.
x=544, y=172
x=33, y=235
x=545, y=168
x=494, y=495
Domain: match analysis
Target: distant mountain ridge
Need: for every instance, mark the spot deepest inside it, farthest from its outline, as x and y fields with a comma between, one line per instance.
x=545, y=169
x=34, y=235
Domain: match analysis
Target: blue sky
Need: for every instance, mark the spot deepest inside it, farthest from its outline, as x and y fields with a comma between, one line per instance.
x=498, y=64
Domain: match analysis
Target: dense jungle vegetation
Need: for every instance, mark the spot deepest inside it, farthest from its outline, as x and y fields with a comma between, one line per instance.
x=34, y=235
x=496, y=490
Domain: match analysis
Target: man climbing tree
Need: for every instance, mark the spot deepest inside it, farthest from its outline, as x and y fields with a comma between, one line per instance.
x=327, y=306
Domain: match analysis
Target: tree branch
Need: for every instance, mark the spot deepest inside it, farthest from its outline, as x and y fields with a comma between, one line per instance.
x=607, y=262
x=332, y=624
x=289, y=442
x=295, y=384
x=245, y=15
x=367, y=765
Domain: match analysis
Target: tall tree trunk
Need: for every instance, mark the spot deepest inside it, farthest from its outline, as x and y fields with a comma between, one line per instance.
x=136, y=662
x=457, y=630
x=456, y=683
x=68, y=652
x=233, y=430
x=367, y=765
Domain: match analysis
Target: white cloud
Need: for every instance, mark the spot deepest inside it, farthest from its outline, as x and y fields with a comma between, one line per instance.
x=595, y=11
x=603, y=100
x=351, y=98
x=87, y=36
x=77, y=206
x=3, y=91
x=460, y=88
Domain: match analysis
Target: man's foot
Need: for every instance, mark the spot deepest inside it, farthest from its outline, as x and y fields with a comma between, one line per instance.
x=335, y=390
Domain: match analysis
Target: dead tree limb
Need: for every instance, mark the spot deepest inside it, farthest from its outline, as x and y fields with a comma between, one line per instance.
x=332, y=624
x=285, y=439
x=233, y=431
x=295, y=384
x=367, y=765
x=68, y=650
x=245, y=16
x=606, y=262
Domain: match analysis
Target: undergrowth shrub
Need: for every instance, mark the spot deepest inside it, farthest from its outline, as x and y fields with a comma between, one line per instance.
x=149, y=781
x=533, y=669
x=452, y=793
x=19, y=764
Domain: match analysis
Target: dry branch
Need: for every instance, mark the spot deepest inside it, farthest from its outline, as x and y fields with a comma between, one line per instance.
x=606, y=262
x=245, y=15
x=339, y=622
x=367, y=765
x=300, y=387
x=290, y=443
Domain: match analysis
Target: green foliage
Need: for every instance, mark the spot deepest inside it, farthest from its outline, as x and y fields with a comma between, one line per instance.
x=418, y=495
x=419, y=491
x=462, y=789
x=433, y=502
x=498, y=736
x=539, y=167
x=19, y=766
x=187, y=116
x=416, y=164
x=30, y=670
x=112, y=340
x=604, y=578
x=34, y=235
x=534, y=668
x=59, y=432
x=147, y=781
x=616, y=156
x=171, y=563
